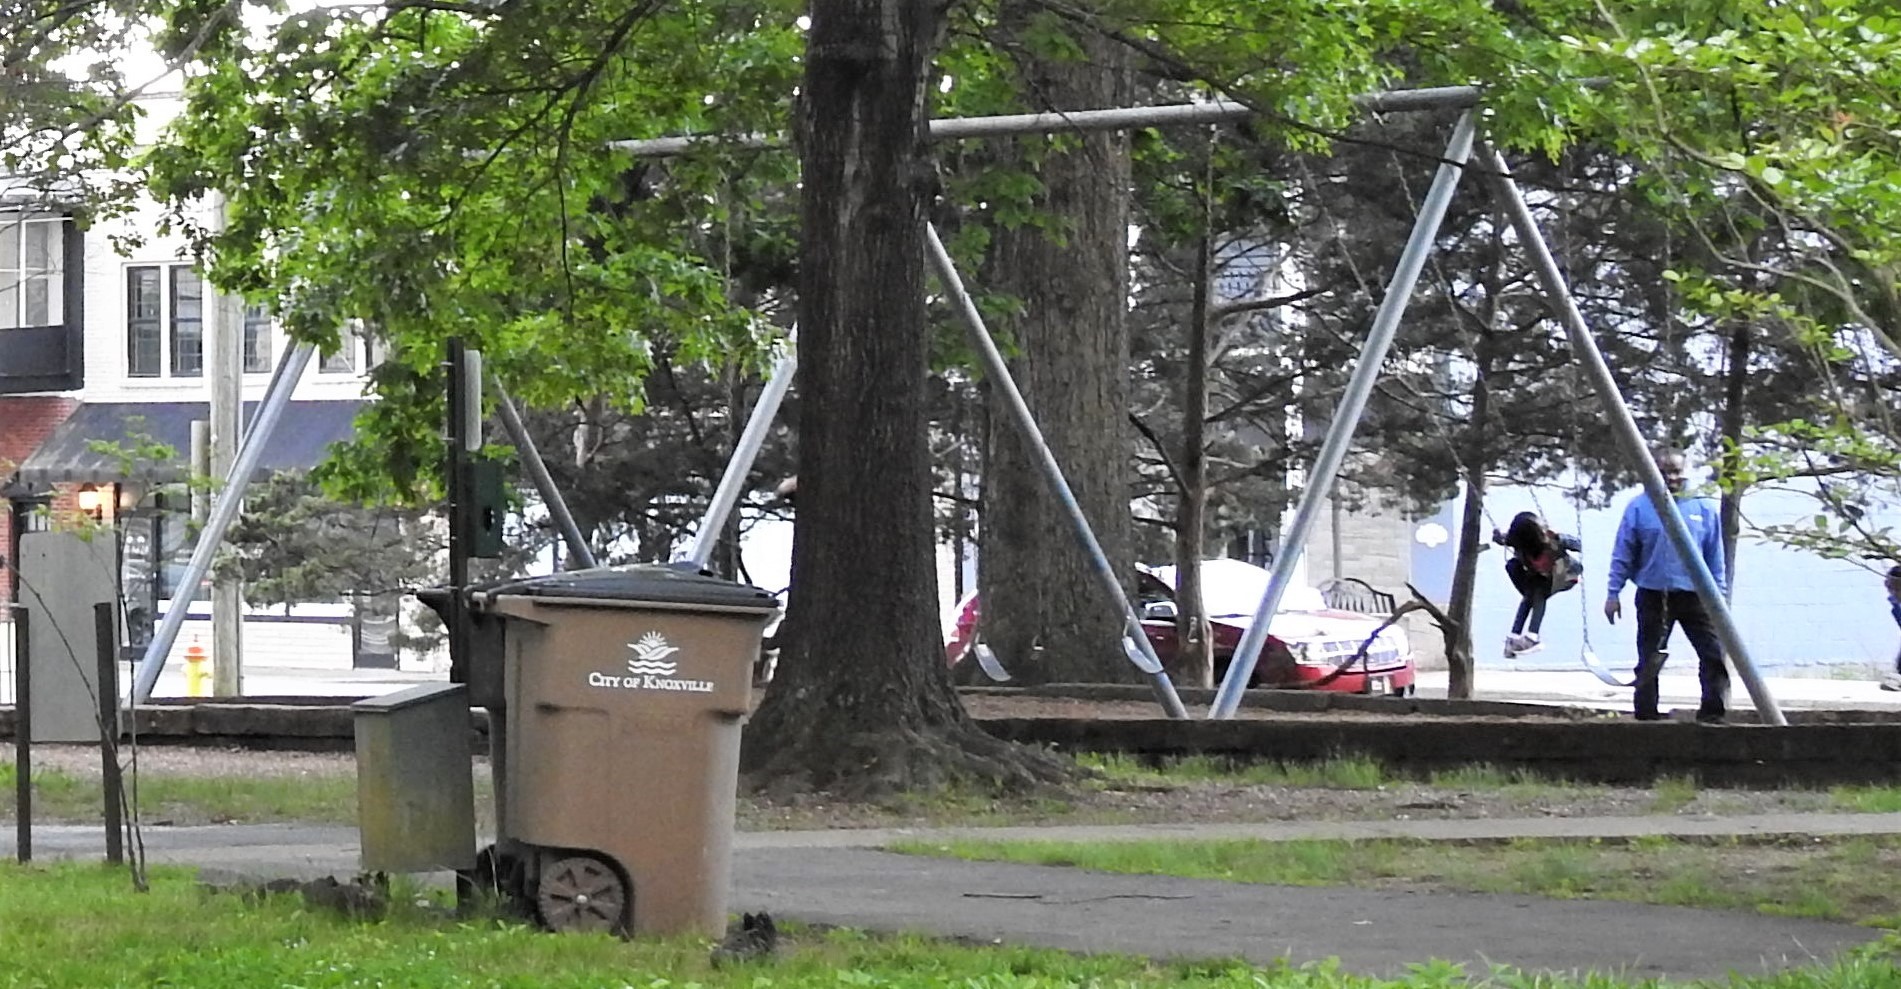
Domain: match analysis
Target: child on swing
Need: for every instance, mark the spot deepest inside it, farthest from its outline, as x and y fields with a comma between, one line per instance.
x=1540, y=566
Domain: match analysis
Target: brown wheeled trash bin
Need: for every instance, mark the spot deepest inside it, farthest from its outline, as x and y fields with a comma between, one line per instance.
x=625, y=689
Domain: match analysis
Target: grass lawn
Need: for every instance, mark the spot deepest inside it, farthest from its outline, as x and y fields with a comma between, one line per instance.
x=190, y=798
x=183, y=787
x=1669, y=795
x=1835, y=879
x=82, y=927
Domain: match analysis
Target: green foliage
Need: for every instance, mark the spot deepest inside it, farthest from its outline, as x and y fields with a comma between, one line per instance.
x=1866, y=799
x=1768, y=140
x=434, y=173
x=66, y=115
x=292, y=544
x=72, y=926
x=51, y=784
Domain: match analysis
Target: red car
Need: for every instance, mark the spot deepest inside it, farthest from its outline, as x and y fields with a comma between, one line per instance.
x=1308, y=643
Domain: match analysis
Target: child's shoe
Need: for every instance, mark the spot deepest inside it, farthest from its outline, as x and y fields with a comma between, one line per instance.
x=1529, y=643
x=1512, y=643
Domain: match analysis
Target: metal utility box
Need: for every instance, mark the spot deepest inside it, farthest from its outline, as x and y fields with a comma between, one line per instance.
x=625, y=689
x=415, y=785
x=62, y=576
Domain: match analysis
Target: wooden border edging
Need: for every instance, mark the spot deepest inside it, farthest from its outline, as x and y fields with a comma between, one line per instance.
x=1603, y=752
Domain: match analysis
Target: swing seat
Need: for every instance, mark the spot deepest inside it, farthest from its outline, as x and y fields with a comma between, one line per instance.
x=987, y=661
x=1591, y=663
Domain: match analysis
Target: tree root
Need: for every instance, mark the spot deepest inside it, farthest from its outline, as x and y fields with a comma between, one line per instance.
x=877, y=764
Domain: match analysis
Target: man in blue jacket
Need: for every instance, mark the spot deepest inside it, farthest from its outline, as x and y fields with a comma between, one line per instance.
x=1893, y=680
x=1666, y=596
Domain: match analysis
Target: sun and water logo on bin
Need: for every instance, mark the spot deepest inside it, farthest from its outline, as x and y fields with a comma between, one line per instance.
x=650, y=668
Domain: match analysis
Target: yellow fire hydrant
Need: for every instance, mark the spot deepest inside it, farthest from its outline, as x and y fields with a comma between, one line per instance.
x=197, y=671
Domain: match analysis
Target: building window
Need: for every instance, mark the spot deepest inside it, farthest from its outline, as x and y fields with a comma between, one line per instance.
x=188, y=323
x=257, y=339
x=32, y=275
x=343, y=359
x=145, y=341
x=165, y=324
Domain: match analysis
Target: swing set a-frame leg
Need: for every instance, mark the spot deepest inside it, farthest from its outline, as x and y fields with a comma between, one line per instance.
x=1584, y=346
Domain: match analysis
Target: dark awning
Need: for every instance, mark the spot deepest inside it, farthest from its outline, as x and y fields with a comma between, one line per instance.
x=69, y=456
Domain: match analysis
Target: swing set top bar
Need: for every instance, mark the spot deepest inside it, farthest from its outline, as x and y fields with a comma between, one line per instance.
x=1174, y=114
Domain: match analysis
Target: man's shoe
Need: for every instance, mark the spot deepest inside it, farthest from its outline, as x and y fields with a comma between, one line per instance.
x=1710, y=719
x=1651, y=716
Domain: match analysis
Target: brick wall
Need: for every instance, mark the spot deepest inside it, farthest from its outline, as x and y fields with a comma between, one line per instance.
x=25, y=422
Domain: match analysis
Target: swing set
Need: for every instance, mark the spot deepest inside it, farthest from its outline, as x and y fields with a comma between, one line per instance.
x=1457, y=160
x=1587, y=655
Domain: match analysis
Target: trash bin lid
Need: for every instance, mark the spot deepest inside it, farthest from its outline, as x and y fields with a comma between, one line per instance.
x=641, y=582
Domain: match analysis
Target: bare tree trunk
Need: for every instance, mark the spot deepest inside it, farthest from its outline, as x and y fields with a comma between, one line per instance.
x=1072, y=364
x=1195, y=663
x=1465, y=568
x=726, y=553
x=1729, y=461
x=862, y=702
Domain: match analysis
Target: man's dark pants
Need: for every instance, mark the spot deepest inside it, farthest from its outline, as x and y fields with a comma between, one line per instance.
x=1657, y=613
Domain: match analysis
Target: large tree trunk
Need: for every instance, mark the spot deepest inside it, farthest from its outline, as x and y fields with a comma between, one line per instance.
x=862, y=701
x=1039, y=597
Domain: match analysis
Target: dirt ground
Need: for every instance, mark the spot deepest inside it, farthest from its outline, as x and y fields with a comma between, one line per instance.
x=1220, y=801
x=1020, y=706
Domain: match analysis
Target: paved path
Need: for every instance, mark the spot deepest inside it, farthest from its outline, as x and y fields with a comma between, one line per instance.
x=1369, y=931
x=841, y=877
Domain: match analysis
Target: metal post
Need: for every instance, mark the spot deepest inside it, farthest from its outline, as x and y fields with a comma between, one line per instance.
x=1347, y=417
x=726, y=495
x=1074, y=121
x=223, y=512
x=200, y=456
x=22, y=735
x=105, y=631
x=1628, y=435
x=531, y=461
x=456, y=364
x=1134, y=643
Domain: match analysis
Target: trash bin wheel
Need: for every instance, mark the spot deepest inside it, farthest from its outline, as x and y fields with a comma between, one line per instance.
x=581, y=893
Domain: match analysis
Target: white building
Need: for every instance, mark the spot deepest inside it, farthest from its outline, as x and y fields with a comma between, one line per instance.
x=100, y=342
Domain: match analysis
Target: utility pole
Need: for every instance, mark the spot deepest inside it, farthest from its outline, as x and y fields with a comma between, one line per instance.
x=224, y=365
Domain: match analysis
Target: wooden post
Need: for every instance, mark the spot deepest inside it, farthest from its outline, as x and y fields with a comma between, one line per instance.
x=22, y=734
x=106, y=634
